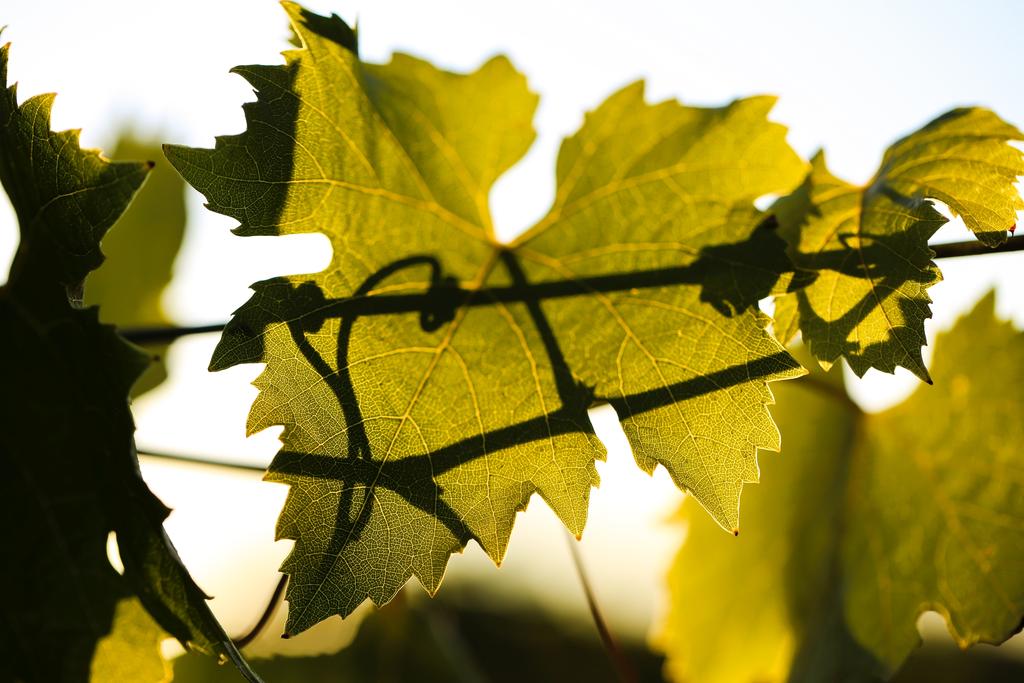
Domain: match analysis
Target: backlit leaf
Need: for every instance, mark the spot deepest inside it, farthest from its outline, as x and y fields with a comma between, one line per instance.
x=869, y=245
x=863, y=523
x=430, y=380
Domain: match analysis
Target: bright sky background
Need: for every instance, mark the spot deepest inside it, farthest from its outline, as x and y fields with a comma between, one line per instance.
x=851, y=77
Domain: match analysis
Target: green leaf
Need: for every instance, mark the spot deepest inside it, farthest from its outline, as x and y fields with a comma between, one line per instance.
x=66, y=443
x=940, y=502
x=869, y=245
x=865, y=522
x=962, y=160
x=431, y=379
x=131, y=652
x=786, y=318
x=140, y=250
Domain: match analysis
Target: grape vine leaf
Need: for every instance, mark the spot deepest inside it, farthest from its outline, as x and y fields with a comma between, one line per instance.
x=140, y=249
x=865, y=522
x=131, y=651
x=431, y=379
x=869, y=245
x=66, y=443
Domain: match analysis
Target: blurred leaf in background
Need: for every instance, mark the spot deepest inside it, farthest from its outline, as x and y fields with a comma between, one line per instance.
x=140, y=250
x=469, y=638
x=864, y=522
x=122, y=654
x=465, y=640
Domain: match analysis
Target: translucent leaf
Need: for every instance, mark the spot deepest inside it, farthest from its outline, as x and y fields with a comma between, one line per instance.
x=430, y=380
x=865, y=522
x=868, y=245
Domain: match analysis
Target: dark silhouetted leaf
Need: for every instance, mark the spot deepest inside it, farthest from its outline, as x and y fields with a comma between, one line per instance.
x=66, y=440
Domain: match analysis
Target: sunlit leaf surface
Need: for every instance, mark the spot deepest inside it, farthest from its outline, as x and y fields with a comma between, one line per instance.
x=430, y=380
x=869, y=245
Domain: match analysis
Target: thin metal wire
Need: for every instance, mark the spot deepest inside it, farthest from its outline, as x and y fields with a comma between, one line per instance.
x=976, y=248
x=202, y=460
x=151, y=335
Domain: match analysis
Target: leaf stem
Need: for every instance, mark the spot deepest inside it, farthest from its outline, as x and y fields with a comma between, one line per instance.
x=268, y=612
x=619, y=660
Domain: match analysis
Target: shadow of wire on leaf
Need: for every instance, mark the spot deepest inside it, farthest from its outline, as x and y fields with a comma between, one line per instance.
x=305, y=310
x=839, y=331
x=869, y=247
x=311, y=336
x=361, y=474
x=869, y=257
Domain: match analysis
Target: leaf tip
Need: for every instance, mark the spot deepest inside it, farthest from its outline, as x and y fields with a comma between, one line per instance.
x=172, y=153
x=736, y=531
x=921, y=372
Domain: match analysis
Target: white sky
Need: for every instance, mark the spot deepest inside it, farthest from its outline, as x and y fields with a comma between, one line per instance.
x=851, y=76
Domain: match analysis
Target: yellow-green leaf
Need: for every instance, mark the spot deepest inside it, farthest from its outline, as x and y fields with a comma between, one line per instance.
x=869, y=245
x=430, y=380
x=140, y=250
x=938, y=519
x=131, y=651
x=863, y=523
x=643, y=193
x=962, y=160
